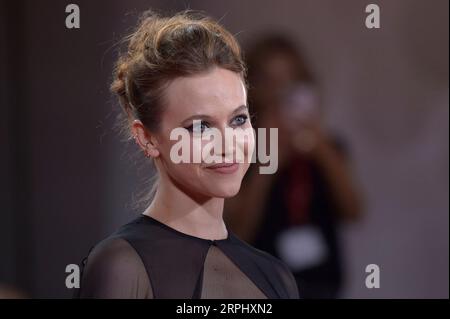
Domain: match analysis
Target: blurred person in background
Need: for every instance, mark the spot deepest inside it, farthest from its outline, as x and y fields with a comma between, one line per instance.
x=294, y=213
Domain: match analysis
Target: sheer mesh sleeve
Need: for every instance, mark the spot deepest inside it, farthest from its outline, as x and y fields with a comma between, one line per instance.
x=115, y=270
x=288, y=279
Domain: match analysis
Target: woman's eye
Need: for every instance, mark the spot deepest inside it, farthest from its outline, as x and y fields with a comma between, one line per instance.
x=239, y=120
x=198, y=127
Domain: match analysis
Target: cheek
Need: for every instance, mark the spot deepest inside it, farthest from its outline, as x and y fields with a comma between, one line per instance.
x=194, y=177
x=245, y=167
x=185, y=173
x=245, y=145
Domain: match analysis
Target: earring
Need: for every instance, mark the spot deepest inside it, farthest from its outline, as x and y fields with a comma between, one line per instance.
x=147, y=154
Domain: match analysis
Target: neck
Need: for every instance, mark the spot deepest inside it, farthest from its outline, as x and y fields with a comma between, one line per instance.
x=193, y=215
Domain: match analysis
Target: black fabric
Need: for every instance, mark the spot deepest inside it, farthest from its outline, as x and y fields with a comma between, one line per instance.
x=148, y=259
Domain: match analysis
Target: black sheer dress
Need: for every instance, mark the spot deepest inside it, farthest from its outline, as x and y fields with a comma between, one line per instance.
x=148, y=259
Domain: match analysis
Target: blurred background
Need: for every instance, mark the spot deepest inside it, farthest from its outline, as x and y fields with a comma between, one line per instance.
x=67, y=180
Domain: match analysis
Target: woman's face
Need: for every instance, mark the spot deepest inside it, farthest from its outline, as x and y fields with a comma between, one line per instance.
x=217, y=100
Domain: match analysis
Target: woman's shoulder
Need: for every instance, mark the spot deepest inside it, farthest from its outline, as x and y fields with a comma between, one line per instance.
x=116, y=249
x=112, y=250
x=113, y=269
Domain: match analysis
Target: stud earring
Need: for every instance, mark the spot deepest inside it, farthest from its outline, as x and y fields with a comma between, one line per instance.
x=147, y=154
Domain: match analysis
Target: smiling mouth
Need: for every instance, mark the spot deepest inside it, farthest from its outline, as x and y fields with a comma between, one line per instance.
x=224, y=168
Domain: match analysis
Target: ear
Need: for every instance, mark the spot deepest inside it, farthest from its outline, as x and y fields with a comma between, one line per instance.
x=146, y=140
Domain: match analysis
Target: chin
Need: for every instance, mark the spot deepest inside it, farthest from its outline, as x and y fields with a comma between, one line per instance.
x=225, y=193
x=223, y=189
x=223, y=185
x=211, y=184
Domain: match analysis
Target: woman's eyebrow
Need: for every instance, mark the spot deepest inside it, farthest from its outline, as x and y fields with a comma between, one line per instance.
x=197, y=117
x=208, y=117
x=239, y=109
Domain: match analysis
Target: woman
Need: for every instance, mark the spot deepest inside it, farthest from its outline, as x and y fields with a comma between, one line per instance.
x=176, y=70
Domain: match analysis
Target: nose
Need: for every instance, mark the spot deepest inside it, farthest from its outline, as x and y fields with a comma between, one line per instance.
x=228, y=145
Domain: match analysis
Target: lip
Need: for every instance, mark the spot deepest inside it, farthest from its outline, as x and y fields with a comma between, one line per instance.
x=224, y=168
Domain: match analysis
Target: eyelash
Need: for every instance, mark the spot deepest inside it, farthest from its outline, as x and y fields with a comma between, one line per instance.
x=244, y=118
